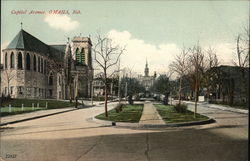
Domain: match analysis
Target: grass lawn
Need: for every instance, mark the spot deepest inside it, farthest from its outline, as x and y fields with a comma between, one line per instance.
x=18, y=110
x=129, y=113
x=169, y=115
x=16, y=105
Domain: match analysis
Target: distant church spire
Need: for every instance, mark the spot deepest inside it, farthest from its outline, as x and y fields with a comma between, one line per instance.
x=146, y=69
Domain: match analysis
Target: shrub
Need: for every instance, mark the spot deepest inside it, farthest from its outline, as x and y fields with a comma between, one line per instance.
x=118, y=108
x=181, y=108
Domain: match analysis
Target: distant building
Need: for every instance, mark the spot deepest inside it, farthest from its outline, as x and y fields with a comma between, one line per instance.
x=99, y=87
x=146, y=80
x=33, y=69
x=228, y=84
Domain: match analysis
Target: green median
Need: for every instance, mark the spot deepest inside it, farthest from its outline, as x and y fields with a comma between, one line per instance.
x=170, y=115
x=129, y=113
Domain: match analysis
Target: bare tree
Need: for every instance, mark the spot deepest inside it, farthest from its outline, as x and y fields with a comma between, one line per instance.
x=197, y=70
x=212, y=61
x=242, y=59
x=9, y=75
x=242, y=49
x=180, y=66
x=107, y=55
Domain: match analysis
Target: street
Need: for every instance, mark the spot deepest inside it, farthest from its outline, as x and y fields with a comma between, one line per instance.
x=72, y=137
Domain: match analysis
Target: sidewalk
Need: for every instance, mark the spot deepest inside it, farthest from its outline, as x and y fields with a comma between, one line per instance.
x=32, y=115
x=150, y=116
x=221, y=107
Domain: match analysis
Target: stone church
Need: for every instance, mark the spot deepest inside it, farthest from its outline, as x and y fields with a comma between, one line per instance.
x=33, y=69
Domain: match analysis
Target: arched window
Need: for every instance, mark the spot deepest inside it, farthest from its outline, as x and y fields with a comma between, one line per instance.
x=82, y=56
x=51, y=79
x=12, y=60
x=38, y=69
x=45, y=66
x=28, y=61
x=6, y=61
x=20, y=61
x=78, y=56
x=59, y=80
x=41, y=65
x=34, y=63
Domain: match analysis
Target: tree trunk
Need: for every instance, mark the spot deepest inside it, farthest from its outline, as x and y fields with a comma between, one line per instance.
x=180, y=90
x=196, y=93
x=76, y=103
x=106, y=101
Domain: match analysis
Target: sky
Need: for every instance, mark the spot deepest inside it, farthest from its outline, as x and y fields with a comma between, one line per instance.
x=152, y=30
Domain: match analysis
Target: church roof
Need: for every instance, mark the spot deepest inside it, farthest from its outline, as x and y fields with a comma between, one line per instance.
x=25, y=41
x=61, y=48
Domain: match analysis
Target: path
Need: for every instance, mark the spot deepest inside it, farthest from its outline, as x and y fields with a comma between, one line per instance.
x=150, y=115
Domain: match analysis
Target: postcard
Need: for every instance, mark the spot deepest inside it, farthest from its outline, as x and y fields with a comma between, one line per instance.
x=124, y=80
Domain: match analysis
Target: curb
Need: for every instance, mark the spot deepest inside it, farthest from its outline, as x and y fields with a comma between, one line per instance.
x=208, y=121
x=223, y=108
x=143, y=126
x=36, y=117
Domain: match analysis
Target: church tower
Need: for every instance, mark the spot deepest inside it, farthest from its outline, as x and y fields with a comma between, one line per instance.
x=146, y=71
x=81, y=51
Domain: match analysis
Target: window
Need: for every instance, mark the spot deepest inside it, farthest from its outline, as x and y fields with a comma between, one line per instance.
x=28, y=91
x=20, y=90
x=50, y=79
x=6, y=61
x=50, y=93
x=12, y=60
x=28, y=61
x=38, y=69
x=20, y=61
x=77, y=55
x=34, y=63
x=41, y=65
x=59, y=80
x=45, y=66
x=82, y=56
x=11, y=90
x=35, y=92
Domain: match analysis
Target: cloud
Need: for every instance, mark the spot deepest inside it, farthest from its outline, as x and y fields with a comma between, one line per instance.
x=61, y=22
x=159, y=56
x=225, y=52
x=137, y=51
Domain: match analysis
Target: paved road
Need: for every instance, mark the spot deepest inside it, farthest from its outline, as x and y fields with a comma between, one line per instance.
x=70, y=137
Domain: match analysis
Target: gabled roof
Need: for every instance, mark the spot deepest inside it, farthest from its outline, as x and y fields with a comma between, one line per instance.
x=25, y=41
